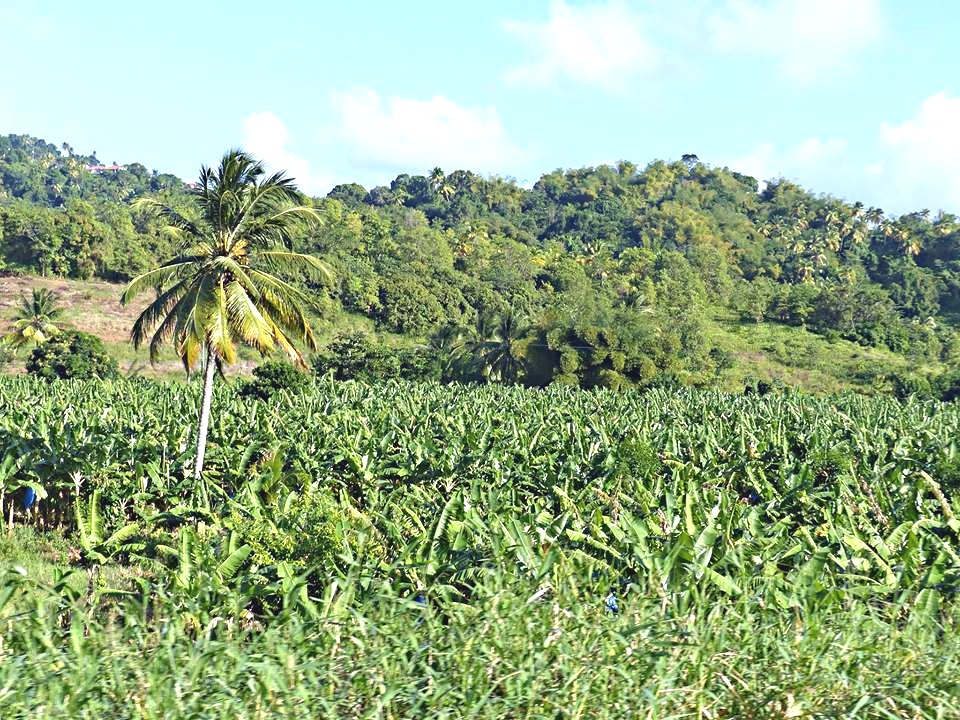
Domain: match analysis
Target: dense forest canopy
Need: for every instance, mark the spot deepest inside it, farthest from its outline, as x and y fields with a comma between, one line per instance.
x=597, y=276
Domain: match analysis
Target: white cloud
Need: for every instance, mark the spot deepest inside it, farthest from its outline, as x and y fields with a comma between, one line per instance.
x=414, y=135
x=811, y=158
x=806, y=39
x=597, y=44
x=914, y=167
x=757, y=163
x=922, y=157
x=266, y=138
x=369, y=139
x=815, y=151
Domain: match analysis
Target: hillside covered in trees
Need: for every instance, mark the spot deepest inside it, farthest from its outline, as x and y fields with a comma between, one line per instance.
x=606, y=276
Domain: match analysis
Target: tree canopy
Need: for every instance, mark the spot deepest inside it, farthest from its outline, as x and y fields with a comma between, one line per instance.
x=619, y=270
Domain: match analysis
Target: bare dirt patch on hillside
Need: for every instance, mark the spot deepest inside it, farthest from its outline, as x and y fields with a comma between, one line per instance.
x=92, y=306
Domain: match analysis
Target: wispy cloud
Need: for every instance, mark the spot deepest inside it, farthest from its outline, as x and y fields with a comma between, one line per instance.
x=913, y=163
x=611, y=43
x=601, y=44
x=368, y=138
x=805, y=39
x=921, y=156
x=414, y=135
x=266, y=138
x=812, y=157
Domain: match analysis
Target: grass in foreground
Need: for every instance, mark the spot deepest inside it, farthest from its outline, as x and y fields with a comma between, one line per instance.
x=406, y=550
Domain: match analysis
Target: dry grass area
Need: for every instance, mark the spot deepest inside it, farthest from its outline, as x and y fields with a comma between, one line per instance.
x=93, y=306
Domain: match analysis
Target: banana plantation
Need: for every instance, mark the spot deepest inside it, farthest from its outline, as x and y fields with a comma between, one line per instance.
x=416, y=550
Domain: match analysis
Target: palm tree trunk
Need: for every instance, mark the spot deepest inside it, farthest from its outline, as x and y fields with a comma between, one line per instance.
x=211, y=367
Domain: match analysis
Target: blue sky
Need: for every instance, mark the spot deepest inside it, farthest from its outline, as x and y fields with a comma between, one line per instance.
x=856, y=98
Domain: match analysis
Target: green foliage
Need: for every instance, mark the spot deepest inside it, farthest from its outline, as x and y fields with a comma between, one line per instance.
x=947, y=386
x=8, y=354
x=947, y=472
x=356, y=356
x=637, y=460
x=828, y=465
x=34, y=321
x=96, y=545
x=220, y=290
x=472, y=536
x=905, y=385
x=272, y=377
x=302, y=532
x=758, y=386
x=71, y=355
x=406, y=306
x=602, y=262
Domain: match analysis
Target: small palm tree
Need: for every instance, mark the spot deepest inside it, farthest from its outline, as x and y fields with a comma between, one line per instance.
x=495, y=345
x=437, y=179
x=34, y=318
x=221, y=289
x=440, y=186
x=445, y=345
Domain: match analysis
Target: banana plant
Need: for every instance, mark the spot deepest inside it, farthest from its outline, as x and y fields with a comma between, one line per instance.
x=97, y=547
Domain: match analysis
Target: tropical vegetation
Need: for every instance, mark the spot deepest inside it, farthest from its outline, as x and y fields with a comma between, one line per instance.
x=511, y=486
x=35, y=318
x=625, y=276
x=410, y=550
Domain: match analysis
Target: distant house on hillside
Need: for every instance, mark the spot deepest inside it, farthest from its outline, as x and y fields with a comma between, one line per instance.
x=191, y=185
x=105, y=168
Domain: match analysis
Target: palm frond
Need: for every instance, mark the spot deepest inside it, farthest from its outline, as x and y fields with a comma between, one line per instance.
x=176, y=321
x=222, y=287
x=226, y=267
x=289, y=318
x=219, y=330
x=246, y=319
x=155, y=311
x=288, y=347
x=288, y=261
x=289, y=292
x=157, y=277
x=171, y=217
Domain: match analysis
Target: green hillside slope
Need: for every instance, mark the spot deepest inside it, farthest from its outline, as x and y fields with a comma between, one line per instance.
x=766, y=352
x=607, y=276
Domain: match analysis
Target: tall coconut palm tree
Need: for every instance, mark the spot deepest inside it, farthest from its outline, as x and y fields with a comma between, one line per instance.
x=221, y=289
x=34, y=318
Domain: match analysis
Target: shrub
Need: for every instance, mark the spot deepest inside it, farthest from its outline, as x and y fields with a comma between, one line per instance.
x=637, y=459
x=947, y=472
x=406, y=306
x=303, y=533
x=7, y=354
x=71, y=355
x=354, y=356
x=756, y=386
x=947, y=386
x=828, y=465
x=722, y=359
x=271, y=377
x=905, y=385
